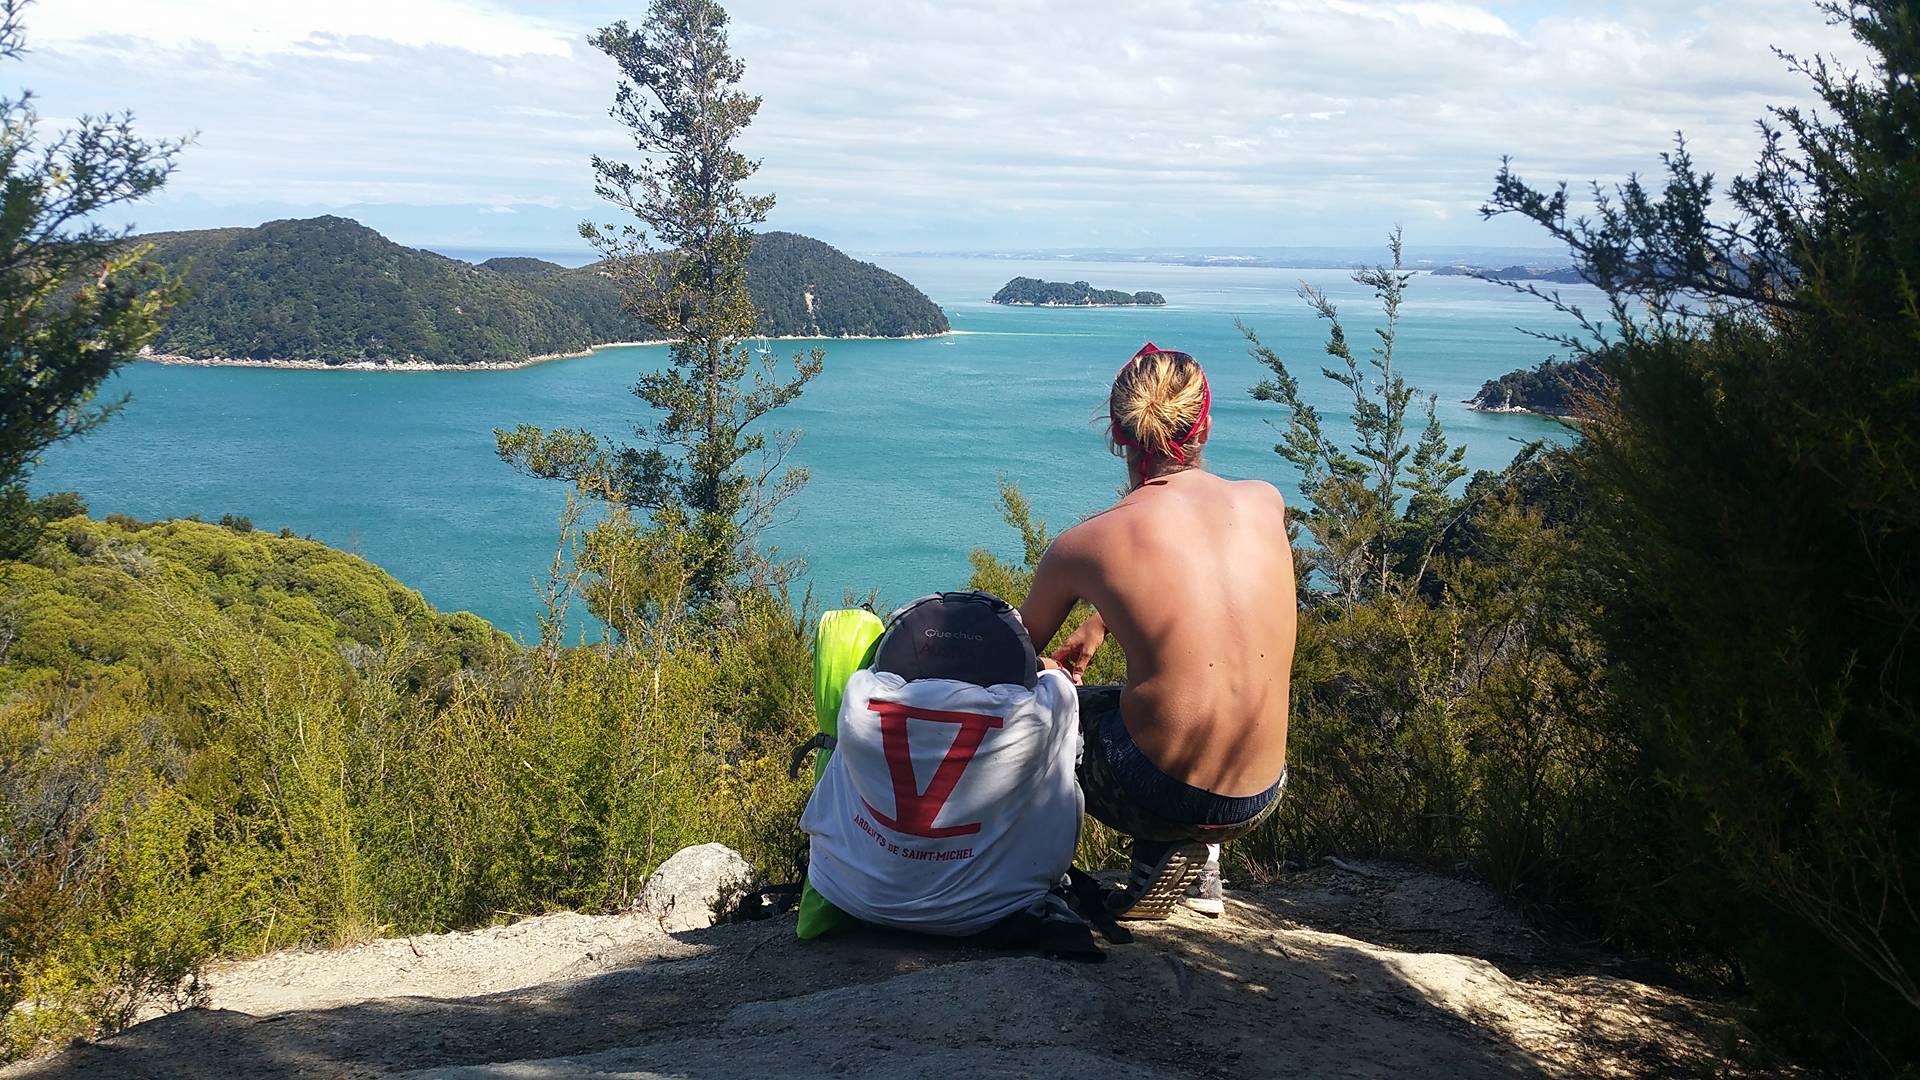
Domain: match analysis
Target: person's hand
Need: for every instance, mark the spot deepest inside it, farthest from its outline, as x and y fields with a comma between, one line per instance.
x=1075, y=653
x=1048, y=663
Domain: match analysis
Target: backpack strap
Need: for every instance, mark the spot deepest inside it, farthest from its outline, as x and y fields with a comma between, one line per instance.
x=1090, y=900
x=1049, y=926
x=820, y=741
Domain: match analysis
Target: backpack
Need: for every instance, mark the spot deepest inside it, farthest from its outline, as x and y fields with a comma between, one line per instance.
x=971, y=638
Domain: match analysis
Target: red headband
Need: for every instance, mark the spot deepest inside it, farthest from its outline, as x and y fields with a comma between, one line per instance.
x=1173, y=448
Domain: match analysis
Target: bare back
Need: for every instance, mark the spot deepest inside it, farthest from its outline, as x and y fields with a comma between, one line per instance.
x=1194, y=578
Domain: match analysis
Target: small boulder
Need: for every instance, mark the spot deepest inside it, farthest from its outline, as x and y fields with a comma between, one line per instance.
x=696, y=887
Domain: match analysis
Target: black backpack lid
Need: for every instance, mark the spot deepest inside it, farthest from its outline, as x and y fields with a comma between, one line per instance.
x=972, y=637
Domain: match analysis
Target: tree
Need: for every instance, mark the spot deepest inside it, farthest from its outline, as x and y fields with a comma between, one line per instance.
x=1434, y=679
x=76, y=301
x=683, y=263
x=1754, y=470
x=1354, y=493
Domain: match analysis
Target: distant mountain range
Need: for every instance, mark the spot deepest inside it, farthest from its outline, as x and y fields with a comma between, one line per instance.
x=1565, y=275
x=333, y=291
x=1032, y=292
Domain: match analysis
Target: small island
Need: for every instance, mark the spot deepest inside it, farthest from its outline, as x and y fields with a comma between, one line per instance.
x=1032, y=292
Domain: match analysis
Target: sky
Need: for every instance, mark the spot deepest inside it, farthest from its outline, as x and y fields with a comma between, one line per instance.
x=935, y=125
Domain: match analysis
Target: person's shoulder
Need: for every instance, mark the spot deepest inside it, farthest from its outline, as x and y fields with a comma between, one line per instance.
x=1083, y=535
x=1260, y=490
x=1103, y=520
x=1085, y=539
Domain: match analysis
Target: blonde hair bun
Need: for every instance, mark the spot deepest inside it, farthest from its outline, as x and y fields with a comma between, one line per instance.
x=1157, y=403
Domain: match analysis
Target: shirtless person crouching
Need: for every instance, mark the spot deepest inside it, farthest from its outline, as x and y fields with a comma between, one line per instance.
x=1193, y=576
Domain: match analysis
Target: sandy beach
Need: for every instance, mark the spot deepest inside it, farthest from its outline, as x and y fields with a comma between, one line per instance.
x=290, y=364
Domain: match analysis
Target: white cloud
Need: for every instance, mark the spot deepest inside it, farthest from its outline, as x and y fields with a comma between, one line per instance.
x=257, y=29
x=1447, y=17
x=1408, y=107
x=921, y=123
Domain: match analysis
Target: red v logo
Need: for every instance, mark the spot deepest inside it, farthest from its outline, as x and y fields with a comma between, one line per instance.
x=916, y=810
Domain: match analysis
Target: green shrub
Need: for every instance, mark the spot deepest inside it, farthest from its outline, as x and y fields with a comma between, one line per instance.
x=215, y=742
x=1754, y=479
x=22, y=517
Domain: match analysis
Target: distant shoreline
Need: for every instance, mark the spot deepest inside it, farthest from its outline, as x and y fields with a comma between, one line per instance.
x=1052, y=303
x=176, y=360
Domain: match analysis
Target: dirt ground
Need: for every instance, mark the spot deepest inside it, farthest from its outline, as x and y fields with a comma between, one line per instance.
x=1368, y=970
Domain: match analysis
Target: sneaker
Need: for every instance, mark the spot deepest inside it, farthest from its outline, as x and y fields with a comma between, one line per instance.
x=1158, y=880
x=1206, y=895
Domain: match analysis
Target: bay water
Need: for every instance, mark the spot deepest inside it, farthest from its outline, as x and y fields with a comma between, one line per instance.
x=904, y=440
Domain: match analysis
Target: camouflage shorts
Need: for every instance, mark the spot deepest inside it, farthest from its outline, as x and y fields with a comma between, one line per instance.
x=1107, y=798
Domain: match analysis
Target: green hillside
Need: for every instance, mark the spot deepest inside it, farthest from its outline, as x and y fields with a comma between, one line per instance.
x=98, y=595
x=849, y=298
x=333, y=290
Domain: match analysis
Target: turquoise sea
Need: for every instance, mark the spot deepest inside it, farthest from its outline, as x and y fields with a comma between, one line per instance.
x=904, y=439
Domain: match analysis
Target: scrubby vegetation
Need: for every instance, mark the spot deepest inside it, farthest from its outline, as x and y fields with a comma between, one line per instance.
x=96, y=594
x=1752, y=538
x=333, y=290
x=216, y=741
x=1033, y=292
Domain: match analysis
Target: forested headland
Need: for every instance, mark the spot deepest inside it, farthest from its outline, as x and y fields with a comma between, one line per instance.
x=1553, y=388
x=332, y=290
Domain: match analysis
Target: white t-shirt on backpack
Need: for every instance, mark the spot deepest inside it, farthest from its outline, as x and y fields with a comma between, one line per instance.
x=946, y=806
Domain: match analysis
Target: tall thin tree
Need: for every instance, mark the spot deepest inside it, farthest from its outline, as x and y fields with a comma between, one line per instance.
x=683, y=261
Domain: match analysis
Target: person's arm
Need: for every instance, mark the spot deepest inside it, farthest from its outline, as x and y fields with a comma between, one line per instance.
x=1053, y=593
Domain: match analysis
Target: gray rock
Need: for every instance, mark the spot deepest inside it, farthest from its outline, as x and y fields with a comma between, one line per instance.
x=696, y=887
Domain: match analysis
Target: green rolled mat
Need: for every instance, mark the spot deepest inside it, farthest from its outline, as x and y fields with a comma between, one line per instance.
x=842, y=644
